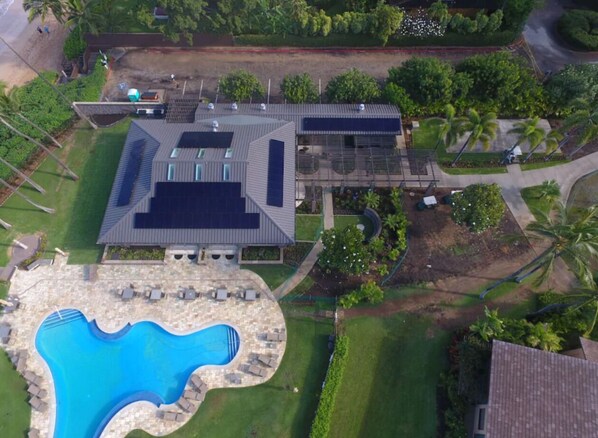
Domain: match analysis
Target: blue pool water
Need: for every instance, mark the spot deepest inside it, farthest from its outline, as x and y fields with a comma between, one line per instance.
x=96, y=374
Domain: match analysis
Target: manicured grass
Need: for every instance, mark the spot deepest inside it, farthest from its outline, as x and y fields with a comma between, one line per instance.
x=308, y=227
x=473, y=170
x=534, y=203
x=15, y=412
x=542, y=164
x=272, y=409
x=389, y=385
x=342, y=221
x=80, y=205
x=4, y=289
x=273, y=275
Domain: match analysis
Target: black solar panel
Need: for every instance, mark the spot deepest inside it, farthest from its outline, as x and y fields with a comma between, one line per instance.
x=275, y=173
x=131, y=172
x=195, y=205
x=340, y=124
x=205, y=140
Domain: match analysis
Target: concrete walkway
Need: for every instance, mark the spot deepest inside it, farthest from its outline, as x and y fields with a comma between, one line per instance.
x=311, y=259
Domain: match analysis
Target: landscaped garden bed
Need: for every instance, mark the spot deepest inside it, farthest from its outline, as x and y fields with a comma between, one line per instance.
x=293, y=255
x=260, y=253
x=312, y=204
x=132, y=253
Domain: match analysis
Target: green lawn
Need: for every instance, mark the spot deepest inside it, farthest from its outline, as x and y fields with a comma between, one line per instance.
x=14, y=410
x=389, y=385
x=473, y=170
x=273, y=275
x=342, y=221
x=308, y=227
x=4, y=289
x=534, y=203
x=542, y=164
x=272, y=409
x=79, y=205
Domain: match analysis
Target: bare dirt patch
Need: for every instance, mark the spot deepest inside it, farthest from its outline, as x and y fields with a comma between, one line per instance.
x=151, y=68
x=440, y=249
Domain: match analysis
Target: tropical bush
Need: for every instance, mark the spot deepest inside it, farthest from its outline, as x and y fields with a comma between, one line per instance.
x=320, y=427
x=575, y=81
x=74, y=45
x=240, y=85
x=580, y=28
x=135, y=253
x=370, y=292
x=479, y=206
x=344, y=251
x=299, y=88
x=353, y=86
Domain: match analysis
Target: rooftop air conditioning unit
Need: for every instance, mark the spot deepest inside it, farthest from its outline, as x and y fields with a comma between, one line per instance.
x=234, y=106
x=211, y=106
x=361, y=107
x=262, y=107
x=215, y=125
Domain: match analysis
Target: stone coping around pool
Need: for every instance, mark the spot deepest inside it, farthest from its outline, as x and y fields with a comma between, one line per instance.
x=60, y=286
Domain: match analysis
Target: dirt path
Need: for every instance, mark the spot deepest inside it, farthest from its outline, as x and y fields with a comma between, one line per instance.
x=151, y=68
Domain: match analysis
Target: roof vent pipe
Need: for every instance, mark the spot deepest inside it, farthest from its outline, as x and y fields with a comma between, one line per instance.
x=215, y=125
x=234, y=106
x=211, y=106
x=262, y=107
x=361, y=107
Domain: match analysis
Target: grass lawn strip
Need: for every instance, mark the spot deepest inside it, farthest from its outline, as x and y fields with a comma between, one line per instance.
x=273, y=275
x=308, y=227
x=15, y=412
x=271, y=409
x=80, y=205
x=389, y=385
x=343, y=221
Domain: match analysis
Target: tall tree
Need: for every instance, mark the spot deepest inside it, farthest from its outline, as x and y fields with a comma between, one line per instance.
x=42, y=8
x=526, y=131
x=551, y=141
x=299, y=88
x=184, y=18
x=23, y=176
x=481, y=129
x=11, y=106
x=241, y=85
x=14, y=191
x=572, y=235
x=584, y=122
x=449, y=128
x=72, y=174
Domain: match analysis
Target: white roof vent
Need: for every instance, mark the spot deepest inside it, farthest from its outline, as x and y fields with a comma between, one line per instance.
x=234, y=106
x=361, y=107
x=211, y=106
x=215, y=125
x=262, y=107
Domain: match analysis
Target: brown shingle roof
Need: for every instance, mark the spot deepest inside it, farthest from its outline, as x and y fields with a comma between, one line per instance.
x=536, y=394
x=590, y=349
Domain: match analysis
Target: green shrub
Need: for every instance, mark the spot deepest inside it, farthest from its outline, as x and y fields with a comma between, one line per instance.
x=261, y=253
x=321, y=424
x=352, y=86
x=241, y=85
x=345, y=251
x=370, y=292
x=74, y=45
x=479, y=206
x=580, y=28
x=135, y=253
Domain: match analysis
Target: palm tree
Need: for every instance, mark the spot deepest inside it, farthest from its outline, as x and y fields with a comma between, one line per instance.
x=23, y=176
x=26, y=198
x=394, y=221
x=585, y=121
x=10, y=105
x=548, y=191
x=372, y=199
x=42, y=8
x=5, y=225
x=527, y=131
x=448, y=128
x=72, y=174
x=489, y=327
x=573, y=236
x=551, y=140
x=586, y=297
x=480, y=128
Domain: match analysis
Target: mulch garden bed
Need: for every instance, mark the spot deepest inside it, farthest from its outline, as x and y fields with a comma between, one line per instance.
x=439, y=248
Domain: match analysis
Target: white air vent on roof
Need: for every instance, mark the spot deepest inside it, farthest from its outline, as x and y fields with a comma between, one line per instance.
x=262, y=107
x=211, y=106
x=215, y=125
x=234, y=106
x=361, y=107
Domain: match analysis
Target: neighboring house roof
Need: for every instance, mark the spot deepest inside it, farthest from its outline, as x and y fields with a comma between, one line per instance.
x=537, y=394
x=150, y=144
x=322, y=119
x=590, y=349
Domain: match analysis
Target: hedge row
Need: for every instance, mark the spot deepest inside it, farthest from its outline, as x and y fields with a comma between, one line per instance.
x=321, y=425
x=41, y=104
x=580, y=29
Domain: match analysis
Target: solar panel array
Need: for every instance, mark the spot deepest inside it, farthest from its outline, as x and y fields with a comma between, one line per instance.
x=205, y=140
x=275, y=173
x=131, y=172
x=197, y=205
x=341, y=124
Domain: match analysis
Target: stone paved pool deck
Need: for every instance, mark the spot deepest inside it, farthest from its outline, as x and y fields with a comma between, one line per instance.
x=60, y=286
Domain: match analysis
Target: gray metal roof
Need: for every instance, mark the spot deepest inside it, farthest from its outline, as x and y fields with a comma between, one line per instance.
x=537, y=394
x=296, y=113
x=249, y=166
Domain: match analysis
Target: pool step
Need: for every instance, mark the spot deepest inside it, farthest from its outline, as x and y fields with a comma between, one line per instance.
x=57, y=319
x=233, y=342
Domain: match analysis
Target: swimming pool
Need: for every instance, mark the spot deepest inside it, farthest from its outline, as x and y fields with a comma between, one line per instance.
x=96, y=374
